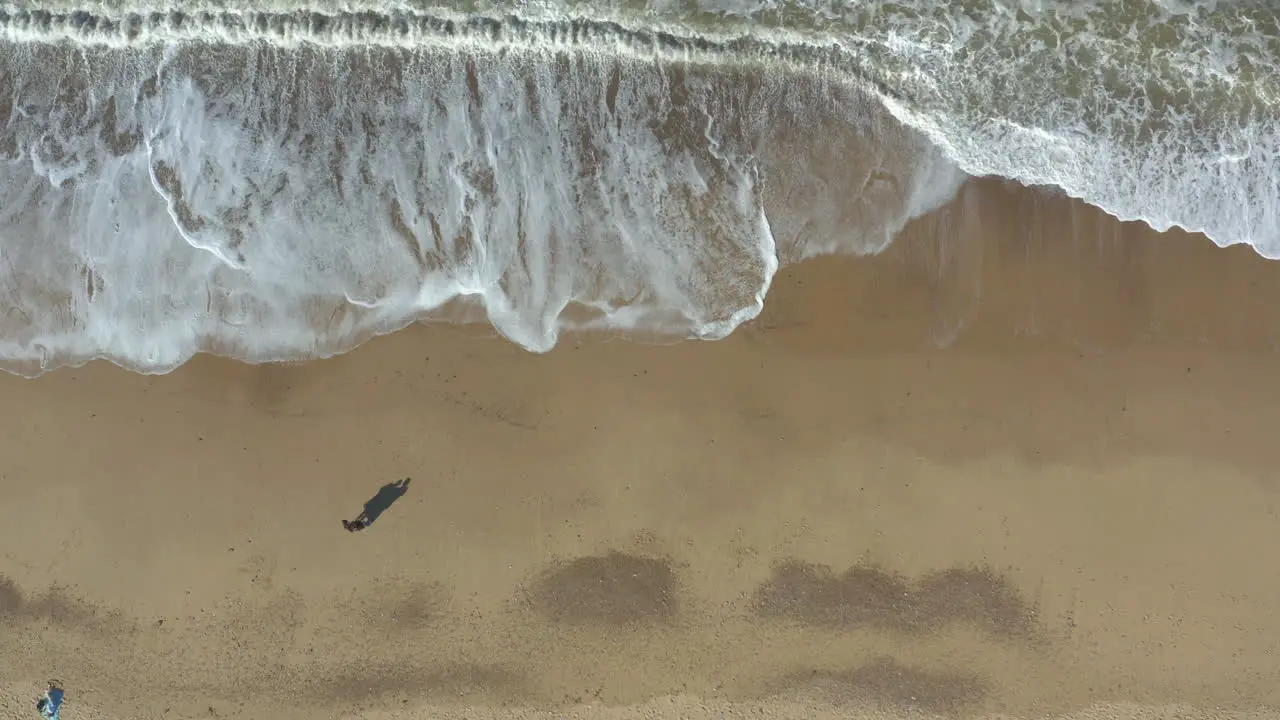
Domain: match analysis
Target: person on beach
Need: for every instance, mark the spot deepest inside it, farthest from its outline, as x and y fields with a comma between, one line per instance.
x=358, y=524
x=51, y=704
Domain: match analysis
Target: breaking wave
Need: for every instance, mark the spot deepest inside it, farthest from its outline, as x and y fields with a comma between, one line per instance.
x=285, y=182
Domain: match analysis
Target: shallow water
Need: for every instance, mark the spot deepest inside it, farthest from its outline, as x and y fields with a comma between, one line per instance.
x=285, y=181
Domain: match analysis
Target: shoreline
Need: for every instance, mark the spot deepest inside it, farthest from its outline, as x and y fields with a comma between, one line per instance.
x=822, y=511
x=1018, y=283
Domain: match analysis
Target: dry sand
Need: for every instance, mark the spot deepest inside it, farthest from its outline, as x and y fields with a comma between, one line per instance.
x=1069, y=510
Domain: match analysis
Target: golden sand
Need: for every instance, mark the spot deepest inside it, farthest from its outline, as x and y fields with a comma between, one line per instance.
x=1022, y=464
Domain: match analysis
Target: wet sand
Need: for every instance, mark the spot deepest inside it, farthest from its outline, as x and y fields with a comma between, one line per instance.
x=1020, y=464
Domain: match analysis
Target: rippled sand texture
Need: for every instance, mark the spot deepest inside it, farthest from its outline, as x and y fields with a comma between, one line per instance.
x=1067, y=510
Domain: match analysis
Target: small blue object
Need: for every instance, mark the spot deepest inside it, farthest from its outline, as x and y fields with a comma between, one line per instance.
x=51, y=704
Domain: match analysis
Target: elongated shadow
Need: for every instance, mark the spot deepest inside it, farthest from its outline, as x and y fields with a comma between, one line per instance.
x=381, y=502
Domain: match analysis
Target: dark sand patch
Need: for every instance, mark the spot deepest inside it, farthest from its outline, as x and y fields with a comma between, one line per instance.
x=886, y=681
x=973, y=596
x=54, y=605
x=612, y=589
x=814, y=595
x=402, y=606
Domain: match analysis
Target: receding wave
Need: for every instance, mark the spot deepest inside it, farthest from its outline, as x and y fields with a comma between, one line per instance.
x=284, y=182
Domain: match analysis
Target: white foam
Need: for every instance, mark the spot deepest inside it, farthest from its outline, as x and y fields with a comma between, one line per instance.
x=272, y=204
x=331, y=170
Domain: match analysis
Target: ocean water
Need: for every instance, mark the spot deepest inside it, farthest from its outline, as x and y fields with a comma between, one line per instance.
x=282, y=180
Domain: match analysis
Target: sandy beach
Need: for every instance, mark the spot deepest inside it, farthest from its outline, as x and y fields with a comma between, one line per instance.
x=1021, y=464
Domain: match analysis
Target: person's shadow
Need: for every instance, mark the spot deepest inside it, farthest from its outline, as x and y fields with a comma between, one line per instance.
x=378, y=504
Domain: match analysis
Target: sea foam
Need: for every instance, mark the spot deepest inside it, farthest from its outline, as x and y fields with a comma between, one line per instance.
x=275, y=203
x=282, y=181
